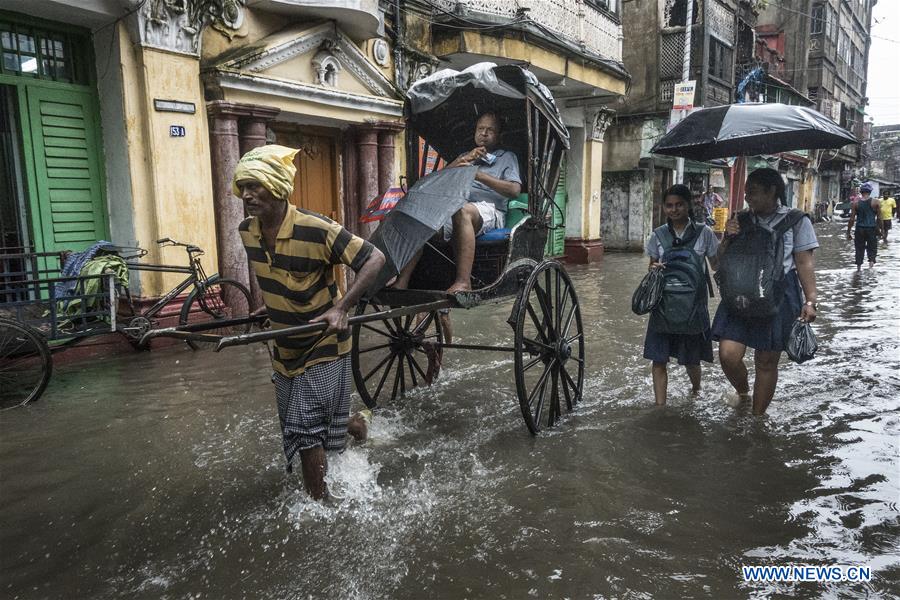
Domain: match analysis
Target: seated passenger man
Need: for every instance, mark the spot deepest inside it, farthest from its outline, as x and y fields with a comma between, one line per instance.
x=497, y=181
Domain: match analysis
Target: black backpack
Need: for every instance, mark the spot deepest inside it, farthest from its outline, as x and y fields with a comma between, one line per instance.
x=683, y=306
x=751, y=272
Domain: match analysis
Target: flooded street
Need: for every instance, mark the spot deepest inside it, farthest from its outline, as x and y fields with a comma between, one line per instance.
x=161, y=475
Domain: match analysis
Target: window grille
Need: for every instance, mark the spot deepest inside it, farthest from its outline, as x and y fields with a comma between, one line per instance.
x=671, y=55
x=721, y=21
x=720, y=60
x=42, y=54
x=667, y=90
x=817, y=20
x=675, y=12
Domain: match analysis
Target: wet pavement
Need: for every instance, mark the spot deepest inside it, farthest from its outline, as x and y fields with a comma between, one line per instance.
x=160, y=475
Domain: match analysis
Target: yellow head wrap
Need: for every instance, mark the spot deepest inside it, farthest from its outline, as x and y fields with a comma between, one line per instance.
x=272, y=166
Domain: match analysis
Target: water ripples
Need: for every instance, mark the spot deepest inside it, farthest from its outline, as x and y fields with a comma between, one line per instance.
x=167, y=481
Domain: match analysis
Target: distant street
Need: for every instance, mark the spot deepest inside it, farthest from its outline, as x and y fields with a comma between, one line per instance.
x=160, y=475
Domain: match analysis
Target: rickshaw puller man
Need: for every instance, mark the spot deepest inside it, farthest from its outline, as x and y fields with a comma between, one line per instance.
x=293, y=253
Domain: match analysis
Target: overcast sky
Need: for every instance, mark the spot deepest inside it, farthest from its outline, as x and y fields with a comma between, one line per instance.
x=883, y=80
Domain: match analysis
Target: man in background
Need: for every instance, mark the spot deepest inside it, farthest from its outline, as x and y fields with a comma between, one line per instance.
x=864, y=214
x=888, y=206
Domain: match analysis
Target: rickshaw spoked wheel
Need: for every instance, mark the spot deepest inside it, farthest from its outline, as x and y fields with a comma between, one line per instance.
x=549, y=347
x=25, y=364
x=394, y=355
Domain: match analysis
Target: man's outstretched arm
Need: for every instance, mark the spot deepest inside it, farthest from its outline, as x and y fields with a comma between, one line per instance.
x=337, y=315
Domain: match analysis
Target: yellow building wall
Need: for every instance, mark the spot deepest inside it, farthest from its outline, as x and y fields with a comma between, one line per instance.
x=807, y=191
x=591, y=188
x=170, y=176
x=256, y=25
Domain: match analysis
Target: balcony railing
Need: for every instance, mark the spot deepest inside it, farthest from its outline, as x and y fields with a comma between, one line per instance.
x=577, y=21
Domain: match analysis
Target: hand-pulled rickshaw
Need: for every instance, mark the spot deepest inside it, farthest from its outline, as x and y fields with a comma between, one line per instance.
x=396, y=331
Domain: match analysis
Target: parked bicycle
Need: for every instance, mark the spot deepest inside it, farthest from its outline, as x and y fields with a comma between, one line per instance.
x=37, y=320
x=212, y=298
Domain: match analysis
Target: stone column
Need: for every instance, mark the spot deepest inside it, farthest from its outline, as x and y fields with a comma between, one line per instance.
x=352, y=210
x=589, y=246
x=367, y=170
x=252, y=127
x=367, y=165
x=387, y=132
x=229, y=212
x=253, y=124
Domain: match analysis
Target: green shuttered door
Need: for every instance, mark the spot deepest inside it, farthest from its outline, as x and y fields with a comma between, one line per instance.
x=68, y=207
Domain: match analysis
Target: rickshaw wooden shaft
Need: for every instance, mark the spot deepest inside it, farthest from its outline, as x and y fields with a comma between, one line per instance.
x=263, y=336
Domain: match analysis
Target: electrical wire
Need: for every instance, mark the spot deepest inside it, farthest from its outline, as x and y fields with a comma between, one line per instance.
x=112, y=39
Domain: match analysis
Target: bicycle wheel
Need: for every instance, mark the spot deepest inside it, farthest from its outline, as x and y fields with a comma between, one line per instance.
x=222, y=299
x=25, y=364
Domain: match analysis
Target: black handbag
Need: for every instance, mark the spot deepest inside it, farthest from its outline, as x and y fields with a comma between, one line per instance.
x=648, y=293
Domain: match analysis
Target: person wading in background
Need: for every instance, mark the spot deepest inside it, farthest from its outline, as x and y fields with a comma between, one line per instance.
x=864, y=214
x=888, y=206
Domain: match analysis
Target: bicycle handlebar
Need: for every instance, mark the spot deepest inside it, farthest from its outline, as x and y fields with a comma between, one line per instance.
x=191, y=248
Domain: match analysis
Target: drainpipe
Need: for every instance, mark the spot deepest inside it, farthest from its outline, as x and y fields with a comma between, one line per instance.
x=398, y=52
x=685, y=75
x=704, y=62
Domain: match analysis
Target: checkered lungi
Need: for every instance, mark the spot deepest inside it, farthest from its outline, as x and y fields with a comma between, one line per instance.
x=314, y=407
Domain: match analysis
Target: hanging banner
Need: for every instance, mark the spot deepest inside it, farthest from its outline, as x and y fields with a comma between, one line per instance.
x=683, y=96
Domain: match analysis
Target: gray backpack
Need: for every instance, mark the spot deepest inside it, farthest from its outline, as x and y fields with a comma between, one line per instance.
x=751, y=272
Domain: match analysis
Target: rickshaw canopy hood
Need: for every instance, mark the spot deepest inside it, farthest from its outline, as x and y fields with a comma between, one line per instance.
x=443, y=107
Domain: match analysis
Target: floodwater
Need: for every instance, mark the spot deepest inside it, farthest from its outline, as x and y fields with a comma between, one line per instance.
x=160, y=475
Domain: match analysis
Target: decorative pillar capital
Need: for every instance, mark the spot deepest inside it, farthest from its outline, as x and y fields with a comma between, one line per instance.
x=176, y=25
x=598, y=122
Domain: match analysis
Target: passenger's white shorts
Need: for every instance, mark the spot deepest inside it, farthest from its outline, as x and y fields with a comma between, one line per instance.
x=491, y=219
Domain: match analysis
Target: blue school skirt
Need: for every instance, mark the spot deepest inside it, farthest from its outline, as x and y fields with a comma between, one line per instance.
x=768, y=335
x=688, y=349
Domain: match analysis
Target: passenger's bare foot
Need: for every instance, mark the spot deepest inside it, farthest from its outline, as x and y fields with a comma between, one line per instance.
x=459, y=286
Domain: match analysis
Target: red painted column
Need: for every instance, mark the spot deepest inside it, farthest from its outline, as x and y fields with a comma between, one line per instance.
x=385, y=160
x=367, y=164
x=353, y=206
x=253, y=125
x=229, y=211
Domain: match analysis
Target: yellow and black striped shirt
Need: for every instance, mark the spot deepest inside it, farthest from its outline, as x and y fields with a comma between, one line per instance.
x=297, y=282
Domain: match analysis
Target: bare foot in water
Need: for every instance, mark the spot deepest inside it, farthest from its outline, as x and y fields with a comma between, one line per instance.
x=358, y=425
x=459, y=286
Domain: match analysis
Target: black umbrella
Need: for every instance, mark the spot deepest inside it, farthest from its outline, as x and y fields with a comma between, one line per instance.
x=750, y=129
x=428, y=204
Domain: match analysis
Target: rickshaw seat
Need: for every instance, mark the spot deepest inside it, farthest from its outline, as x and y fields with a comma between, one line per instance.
x=494, y=235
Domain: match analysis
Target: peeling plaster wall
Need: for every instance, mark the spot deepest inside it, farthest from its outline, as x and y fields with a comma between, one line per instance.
x=113, y=122
x=627, y=209
x=170, y=176
x=574, y=177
